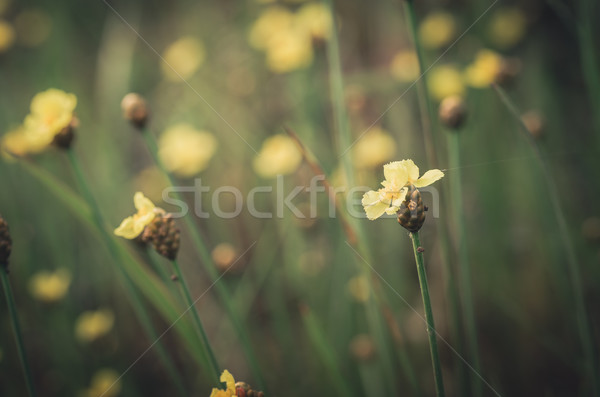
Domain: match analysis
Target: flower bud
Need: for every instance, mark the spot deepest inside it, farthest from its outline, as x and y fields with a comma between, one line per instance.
x=5, y=243
x=453, y=112
x=163, y=233
x=135, y=109
x=64, y=138
x=535, y=123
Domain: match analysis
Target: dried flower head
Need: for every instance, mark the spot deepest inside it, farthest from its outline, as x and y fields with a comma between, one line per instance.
x=164, y=235
x=453, y=112
x=5, y=243
x=135, y=109
x=132, y=226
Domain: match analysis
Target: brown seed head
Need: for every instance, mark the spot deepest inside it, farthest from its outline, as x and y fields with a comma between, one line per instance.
x=5, y=243
x=411, y=214
x=164, y=234
x=64, y=138
x=135, y=109
x=453, y=112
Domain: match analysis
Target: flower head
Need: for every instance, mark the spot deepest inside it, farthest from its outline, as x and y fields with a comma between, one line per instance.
x=405, y=66
x=134, y=225
x=186, y=151
x=51, y=113
x=278, y=155
x=399, y=175
x=50, y=286
x=105, y=382
x=444, y=81
x=484, y=70
x=92, y=325
x=437, y=30
x=5, y=243
x=230, y=390
x=507, y=27
x=183, y=58
x=375, y=148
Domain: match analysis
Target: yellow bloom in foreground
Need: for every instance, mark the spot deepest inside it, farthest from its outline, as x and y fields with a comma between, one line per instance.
x=437, y=30
x=279, y=155
x=444, y=81
x=92, y=325
x=7, y=36
x=405, y=66
x=105, y=383
x=484, y=69
x=186, y=151
x=374, y=148
x=182, y=58
x=51, y=112
x=134, y=225
x=50, y=286
x=507, y=27
x=226, y=378
x=398, y=176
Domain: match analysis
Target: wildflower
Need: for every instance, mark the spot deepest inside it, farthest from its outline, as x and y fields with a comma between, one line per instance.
x=405, y=66
x=50, y=286
x=134, y=225
x=186, y=151
x=399, y=175
x=453, y=112
x=230, y=390
x=444, y=81
x=105, y=382
x=437, y=30
x=135, y=109
x=272, y=21
x=182, y=58
x=224, y=255
x=483, y=70
x=507, y=27
x=7, y=36
x=279, y=155
x=289, y=50
x=33, y=27
x=316, y=19
x=20, y=142
x=5, y=243
x=374, y=148
x=92, y=325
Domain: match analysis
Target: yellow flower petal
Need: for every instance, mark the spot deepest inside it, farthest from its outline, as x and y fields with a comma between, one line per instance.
x=227, y=378
x=428, y=178
x=372, y=204
x=142, y=204
x=411, y=169
x=395, y=172
x=127, y=229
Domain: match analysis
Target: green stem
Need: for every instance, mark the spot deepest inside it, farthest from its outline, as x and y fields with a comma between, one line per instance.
x=463, y=255
x=192, y=306
x=588, y=57
x=17, y=331
x=134, y=297
x=435, y=358
x=211, y=269
x=583, y=322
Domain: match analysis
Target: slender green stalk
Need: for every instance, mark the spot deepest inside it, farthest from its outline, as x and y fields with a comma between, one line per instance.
x=10, y=301
x=211, y=270
x=192, y=306
x=435, y=358
x=133, y=294
x=589, y=56
x=574, y=266
x=463, y=255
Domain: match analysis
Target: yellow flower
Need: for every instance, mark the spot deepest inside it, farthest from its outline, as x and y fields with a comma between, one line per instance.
x=33, y=27
x=50, y=286
x=484, y=69
x=182, y=58
x=186, y=151
x=279, y=155
x=134, y=225
x=444, y=81
x=51, y=112
x=316, y=19
x=269, y=24
x=398, y=175
x=437, y=30
x=20, y=142
x=289, y=50
x=92, y=325
x=507, y=27
x=7, y=36
x=374, y=148
x=105, y=382
x=405, y=66
x=226, y=378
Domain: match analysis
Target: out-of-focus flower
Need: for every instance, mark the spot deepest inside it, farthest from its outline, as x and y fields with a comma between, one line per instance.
x=134, y=225
x=405, y=66
x=362, y=347
x=444, y=81
x=399, y=175
x=315, y=18
x=230, y=389
x=507, y=27
x=271, y=22
x=135, y=109
x=484, y=70
x=20, y=142
x=92, y=325
x=359, y=288
x=437, y=30
x=534, y=122
x=374, y=148
x=7, y=36
x=182, y=58
x=105, y=383
x=186, y=151
x=49, y=286
x=51, y=113
x=289, y=50
x=453, y=112
x=224, y=255
x=33, y=27
x=279, y=155
x=5, y=243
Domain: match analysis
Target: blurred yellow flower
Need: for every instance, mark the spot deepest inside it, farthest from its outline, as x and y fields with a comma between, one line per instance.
x=186, y=151
x=182, y=58
x=33, y=27
x=437, y=30
x=484, y=69
x=50, y=286
x=405, y=66
x=20, y=142
x=279, y=155
x=51, y=112
x=289, y=50
x=269, y=24
x=374, y=148
x=105, y=383
x=359, y=288
x=134, y=225
x=230, y=390
x=398, y=175
x=444, y=81
x=507, y=27
x=315, y=18
x=7, y=36
x=92, y=325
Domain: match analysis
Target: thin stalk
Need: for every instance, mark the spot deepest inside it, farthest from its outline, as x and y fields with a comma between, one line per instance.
x=463, y=255
x=192, y=305
x=574, y=266
x=588, y=56
x=211, y=270
x=10, y=301
x=433, y=348
x=134, y=297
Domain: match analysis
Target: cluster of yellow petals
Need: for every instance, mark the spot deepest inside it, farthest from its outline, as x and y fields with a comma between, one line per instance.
x=444, y=81
x=49, y=286
x=484, y=69
x=182, y=58
x=229, y=391
x=92, y=325
x=279, y=155
x=286, y=37
x=134, y=225
x=398, y=176
x=186, y=151
x=373, y=149
x=437, y=30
